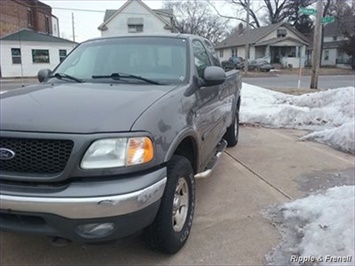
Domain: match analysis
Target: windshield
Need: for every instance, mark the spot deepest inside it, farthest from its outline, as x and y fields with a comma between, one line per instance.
x=155, y=58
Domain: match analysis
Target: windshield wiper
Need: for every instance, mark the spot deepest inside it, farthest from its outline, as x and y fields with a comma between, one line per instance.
x=63, y=75
x=118, y=76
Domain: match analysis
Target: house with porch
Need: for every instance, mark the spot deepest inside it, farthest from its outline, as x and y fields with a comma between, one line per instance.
x=277, y=43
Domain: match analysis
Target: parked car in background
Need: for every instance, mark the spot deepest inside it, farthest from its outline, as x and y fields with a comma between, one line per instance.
x=258, y=65
x=264, y=66
x=235, y=62
x=252, y=65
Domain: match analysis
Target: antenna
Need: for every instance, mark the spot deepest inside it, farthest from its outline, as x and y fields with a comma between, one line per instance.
x=20, y=43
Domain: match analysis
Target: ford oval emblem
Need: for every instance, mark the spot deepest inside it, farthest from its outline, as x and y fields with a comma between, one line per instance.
x=6, y=154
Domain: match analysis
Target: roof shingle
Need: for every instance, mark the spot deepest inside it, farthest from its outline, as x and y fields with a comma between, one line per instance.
x=33, y=36
x=254, y=35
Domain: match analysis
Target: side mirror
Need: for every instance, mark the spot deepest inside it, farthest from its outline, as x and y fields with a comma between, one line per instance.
x=214, y=75
x=43, y=74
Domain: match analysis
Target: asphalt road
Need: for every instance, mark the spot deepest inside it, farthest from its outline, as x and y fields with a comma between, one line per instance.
x=267, y=167
x=281, y=81
x=291, y=81
x=16, y=83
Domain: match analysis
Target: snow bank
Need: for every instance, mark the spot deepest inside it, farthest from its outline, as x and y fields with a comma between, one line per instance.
x=316, y=228
x=330, y=113
x=340, y=138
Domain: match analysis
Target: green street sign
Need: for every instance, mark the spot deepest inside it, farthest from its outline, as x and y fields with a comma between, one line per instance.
x=308, y=11
x=327, y=19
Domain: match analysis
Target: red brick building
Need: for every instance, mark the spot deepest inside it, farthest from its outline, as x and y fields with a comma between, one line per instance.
x=26, y=14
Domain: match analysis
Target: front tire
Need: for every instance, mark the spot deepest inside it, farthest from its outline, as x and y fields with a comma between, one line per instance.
x=232, y=134
x=171, y=228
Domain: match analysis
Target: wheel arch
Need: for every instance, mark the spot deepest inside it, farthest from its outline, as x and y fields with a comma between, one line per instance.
x=185, y=145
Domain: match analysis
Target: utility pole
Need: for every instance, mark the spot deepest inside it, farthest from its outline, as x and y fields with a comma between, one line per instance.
x=247, y=40
x=72, y=23
x=317, y=46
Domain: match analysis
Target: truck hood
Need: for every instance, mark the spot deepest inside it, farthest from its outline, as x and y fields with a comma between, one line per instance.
x=77, y=108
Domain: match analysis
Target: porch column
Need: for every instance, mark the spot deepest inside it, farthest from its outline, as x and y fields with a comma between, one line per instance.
x=267, y=51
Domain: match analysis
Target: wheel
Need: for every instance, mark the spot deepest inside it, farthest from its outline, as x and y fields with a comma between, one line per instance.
x=232, y=134
x=169, y=231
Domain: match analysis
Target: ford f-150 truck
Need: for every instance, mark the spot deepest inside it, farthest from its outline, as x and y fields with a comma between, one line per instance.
x=110, y=142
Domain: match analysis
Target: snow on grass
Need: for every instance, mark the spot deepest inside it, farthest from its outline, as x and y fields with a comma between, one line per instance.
x=330, y=113
x=315, y=228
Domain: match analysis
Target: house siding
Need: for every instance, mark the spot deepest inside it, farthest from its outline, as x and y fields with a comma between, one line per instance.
x=118, y=25
x=28, y=68
x=274, y=35
x=331, y=58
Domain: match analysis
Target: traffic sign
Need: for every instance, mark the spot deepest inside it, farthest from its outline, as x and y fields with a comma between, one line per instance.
x=327, y=19
x=308, y=11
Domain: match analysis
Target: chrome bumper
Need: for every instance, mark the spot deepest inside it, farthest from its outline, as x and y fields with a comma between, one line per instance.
x=86, y=208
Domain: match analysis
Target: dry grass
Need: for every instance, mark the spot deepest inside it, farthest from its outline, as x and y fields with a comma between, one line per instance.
x=294, y=91
x=322, y=71
x=255, y=74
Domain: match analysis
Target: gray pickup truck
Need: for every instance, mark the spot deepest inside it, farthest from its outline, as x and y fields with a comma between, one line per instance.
x=110, y=142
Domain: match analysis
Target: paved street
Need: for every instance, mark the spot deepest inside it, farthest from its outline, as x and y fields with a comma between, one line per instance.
x=291, y=81
x=269, y=166
x=281, y=81
x=8, y=84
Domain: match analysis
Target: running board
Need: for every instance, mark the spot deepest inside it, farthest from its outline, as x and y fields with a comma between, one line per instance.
x=213, y=162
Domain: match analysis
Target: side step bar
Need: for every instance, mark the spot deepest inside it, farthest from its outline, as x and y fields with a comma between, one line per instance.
x=212, y=164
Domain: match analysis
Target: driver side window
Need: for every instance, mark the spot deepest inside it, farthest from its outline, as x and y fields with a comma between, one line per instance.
x=200, y=57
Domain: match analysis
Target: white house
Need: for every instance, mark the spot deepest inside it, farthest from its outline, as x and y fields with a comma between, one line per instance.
x=25, y=52
x=333, y=37
x=278, y=43
x=135, y=17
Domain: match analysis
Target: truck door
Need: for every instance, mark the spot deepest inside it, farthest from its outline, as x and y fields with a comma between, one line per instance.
x=208, y=116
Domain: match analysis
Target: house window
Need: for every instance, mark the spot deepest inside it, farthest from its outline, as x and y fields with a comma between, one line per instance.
x=221, y=53
x=135, y=25
x=326, y=55
x=46, y=24
x=40, y=56
x=281, y=33
x=16, y=55
x=135, y=28
x=62, y=55
x=29, y=17
x=234, y=52
x=335, y=38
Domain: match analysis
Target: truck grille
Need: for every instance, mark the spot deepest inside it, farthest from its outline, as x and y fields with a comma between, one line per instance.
x=36, y=156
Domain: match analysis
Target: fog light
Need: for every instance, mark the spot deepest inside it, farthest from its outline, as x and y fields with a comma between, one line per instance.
x=95, y=230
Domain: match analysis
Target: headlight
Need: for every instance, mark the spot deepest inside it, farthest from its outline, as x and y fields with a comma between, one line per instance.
x=118, y=152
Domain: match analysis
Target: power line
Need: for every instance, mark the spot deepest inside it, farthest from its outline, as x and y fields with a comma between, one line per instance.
x=78, y=9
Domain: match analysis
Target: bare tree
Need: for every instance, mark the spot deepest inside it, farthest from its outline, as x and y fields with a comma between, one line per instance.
x=196, y=17
x=263, y=12
x=303, y=23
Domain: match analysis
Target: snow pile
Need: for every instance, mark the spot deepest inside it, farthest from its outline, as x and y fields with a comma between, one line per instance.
x=319, y=228
x=330, y=113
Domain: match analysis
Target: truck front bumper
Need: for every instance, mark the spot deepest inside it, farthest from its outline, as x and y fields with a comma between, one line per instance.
x=66, y=213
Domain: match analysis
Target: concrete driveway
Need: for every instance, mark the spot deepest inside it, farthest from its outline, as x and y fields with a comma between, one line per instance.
x=267, y=167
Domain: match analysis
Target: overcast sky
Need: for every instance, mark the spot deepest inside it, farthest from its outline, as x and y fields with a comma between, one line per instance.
x=86, y=22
